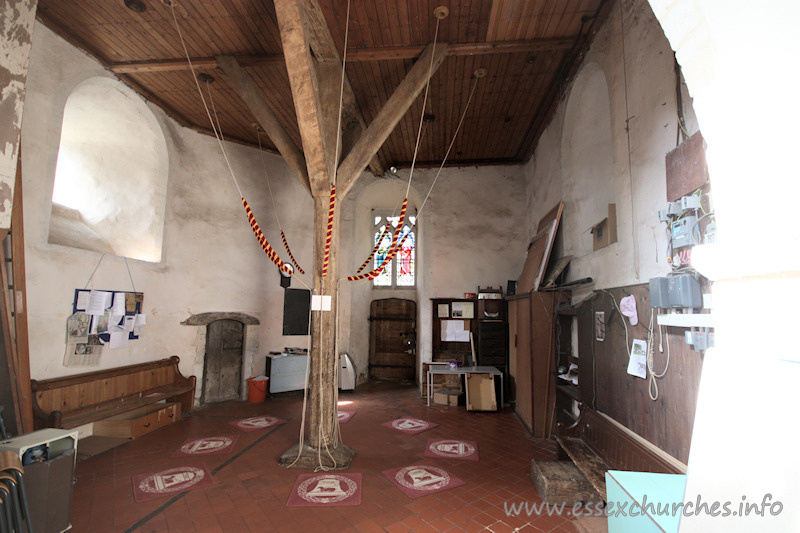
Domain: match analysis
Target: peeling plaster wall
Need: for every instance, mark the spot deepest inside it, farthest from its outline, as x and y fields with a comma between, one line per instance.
x=15, y=48
x=565, y=162
x=471, y=232
x=210, y=261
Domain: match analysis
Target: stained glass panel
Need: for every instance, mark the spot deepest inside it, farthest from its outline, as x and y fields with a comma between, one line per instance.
x=384, y=279
x=405, y=259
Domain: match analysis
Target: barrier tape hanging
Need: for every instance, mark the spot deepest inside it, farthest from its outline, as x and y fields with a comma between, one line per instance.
x=329, y=233
x=372, y=254
x=393, y=249
x=288, y=251
x=269, y=250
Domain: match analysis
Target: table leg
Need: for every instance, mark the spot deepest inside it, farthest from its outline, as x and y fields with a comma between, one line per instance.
x=429, y=379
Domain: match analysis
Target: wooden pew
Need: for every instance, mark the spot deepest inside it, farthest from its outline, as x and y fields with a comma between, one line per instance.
x=73, y=401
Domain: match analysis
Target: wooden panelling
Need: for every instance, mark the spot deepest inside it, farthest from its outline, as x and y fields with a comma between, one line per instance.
x=523, y=379
x=620, y=449
x=666, y=422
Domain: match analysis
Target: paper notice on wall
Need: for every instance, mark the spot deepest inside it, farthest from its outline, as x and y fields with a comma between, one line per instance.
x=453, y=331
x=118, y=307
x=637, y=364
x=82, y=354
x=99, y=324
x=138, y=324
x=128, y=324
x=82, y=301
x=78, y=327
x=320, y=302
x=119, y=339
x=99, y=301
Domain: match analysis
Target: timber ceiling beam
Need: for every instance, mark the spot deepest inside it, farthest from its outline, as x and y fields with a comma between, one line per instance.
x=248, y=92
x=390, y=53
x=303, y=78
x=389, y=116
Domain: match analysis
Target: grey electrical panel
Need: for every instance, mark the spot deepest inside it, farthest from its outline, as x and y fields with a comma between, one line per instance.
x=676, y=291
x=659, y=287
x=682, y=232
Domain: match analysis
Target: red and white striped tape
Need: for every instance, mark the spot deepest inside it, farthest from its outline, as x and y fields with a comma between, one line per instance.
x=329, y=233
x=262, y=240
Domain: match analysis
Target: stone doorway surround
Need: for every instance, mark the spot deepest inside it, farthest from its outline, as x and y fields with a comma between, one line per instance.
x=251, y=324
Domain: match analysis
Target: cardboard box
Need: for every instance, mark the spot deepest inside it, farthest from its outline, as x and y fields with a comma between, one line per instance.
x=605, y=231
x=480, y=392
x=448, y=397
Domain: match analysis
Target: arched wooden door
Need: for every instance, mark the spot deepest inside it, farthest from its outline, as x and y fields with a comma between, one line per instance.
x=222, y=378
x=393, y=340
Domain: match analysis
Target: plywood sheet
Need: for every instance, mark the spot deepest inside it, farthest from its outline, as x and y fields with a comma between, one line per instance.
x=538, y=255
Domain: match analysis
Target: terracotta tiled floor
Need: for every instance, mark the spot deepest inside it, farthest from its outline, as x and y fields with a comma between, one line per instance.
x=252, y=490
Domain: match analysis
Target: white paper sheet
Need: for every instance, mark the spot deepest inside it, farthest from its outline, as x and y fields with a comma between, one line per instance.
x=82, y=301
x=119, y=339
x=453, y=331
x=637, y=364
x=141, y=319
x=128, y=323
x=99, y=301
x=118, y=307
x=320, y=302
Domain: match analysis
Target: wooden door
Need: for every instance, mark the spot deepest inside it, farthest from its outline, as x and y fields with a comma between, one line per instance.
x=223, y=366
x=393, y=340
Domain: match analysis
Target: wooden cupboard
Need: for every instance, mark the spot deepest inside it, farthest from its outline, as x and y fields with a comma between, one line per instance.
x=533, y=362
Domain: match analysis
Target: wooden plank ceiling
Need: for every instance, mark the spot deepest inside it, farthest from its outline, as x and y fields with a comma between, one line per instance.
x=529, y=48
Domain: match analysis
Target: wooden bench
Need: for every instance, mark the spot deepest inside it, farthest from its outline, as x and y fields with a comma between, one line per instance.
x=73, y=401
x=596, y=444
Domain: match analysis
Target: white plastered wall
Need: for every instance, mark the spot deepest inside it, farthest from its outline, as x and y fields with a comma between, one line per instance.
x=471, y=233
x=587, y=165
x=211, y=260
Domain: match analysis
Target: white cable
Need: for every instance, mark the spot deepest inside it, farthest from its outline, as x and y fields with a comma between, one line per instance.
x=652, y=386
x=452, y=142
x=424, y=103
x=214, y=126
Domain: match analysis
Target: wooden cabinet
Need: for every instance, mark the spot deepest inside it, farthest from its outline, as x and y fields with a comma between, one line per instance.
x=451, y=315
x=492, y=343
x=533, y=371
x=138, y=422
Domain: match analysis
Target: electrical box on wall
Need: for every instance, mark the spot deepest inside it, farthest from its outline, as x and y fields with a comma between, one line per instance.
x=605, y=231
x=675, y=292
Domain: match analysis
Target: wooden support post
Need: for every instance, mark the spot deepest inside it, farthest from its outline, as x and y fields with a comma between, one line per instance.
x=314, y=99
x=315, y=78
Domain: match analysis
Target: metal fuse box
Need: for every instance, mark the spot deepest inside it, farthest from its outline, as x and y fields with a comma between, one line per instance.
x=675, y=291
x=659, y=287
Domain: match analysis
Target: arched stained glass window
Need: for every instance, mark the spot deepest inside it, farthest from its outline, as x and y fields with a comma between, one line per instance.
x=400, y=271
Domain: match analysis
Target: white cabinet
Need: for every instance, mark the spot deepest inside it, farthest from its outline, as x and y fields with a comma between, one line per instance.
x=287, y=372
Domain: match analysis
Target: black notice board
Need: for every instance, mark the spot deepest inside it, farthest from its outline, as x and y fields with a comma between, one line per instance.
x=296, y=311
